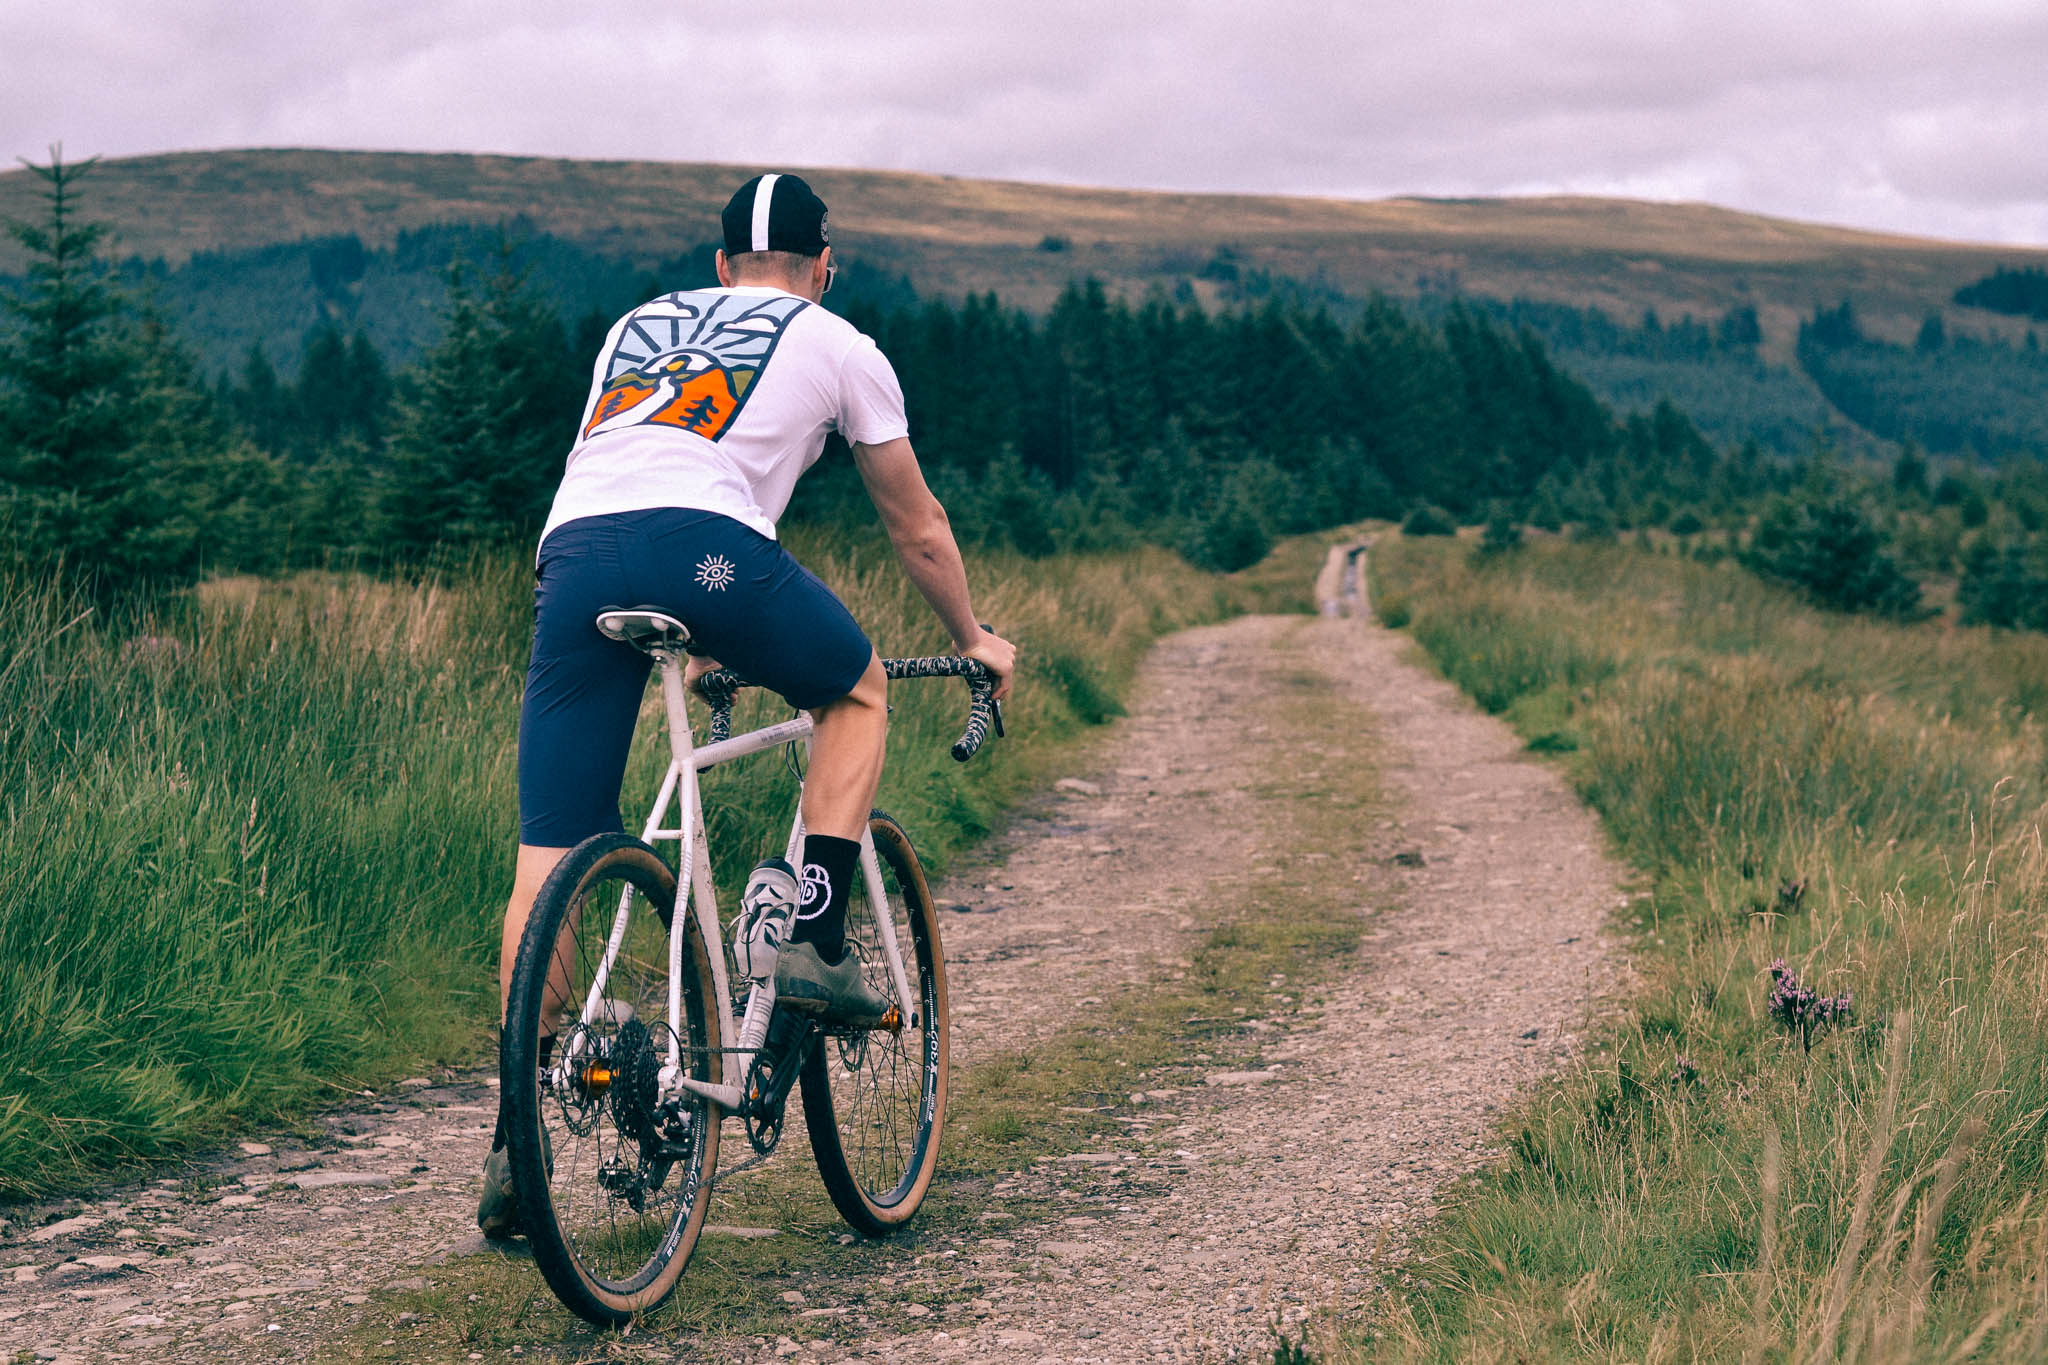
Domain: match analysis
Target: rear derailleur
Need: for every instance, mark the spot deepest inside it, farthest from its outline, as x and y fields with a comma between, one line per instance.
x=655, y=1133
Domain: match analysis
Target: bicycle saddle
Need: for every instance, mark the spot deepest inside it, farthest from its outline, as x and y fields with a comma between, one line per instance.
x=643, y=628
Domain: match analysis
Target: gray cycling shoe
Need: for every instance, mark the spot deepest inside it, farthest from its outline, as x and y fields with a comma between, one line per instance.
x=497, y=1212
x=836, y=993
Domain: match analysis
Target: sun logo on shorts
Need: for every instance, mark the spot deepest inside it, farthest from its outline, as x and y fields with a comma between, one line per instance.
x=716, y=573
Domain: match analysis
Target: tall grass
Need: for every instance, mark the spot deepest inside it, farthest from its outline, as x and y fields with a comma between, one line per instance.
x=1862, y=800
x=256, y=846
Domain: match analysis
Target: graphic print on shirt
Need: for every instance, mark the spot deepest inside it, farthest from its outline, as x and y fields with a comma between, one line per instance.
x=689, y=360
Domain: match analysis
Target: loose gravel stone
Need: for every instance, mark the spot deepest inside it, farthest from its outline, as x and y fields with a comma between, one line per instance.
x=1240, y=1077
x=320, y=1180
x=65, y=1227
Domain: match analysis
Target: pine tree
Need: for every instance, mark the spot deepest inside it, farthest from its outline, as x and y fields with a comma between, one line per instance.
x=114, y=465
x=57, y=460
x=325, y=391
x=368, y=388
x=1233, y=537
x=701, y=413
x=1503, y=535
x=1833, y=552
x=1546, y=506
x=1909, y=472
x=261, y=403
x=2002, y=587
x=482, y=429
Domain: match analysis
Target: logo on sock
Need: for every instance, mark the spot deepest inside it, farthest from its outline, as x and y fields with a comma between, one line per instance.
x=817, y=892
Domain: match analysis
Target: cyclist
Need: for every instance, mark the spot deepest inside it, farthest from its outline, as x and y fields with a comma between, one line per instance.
x=705, y=407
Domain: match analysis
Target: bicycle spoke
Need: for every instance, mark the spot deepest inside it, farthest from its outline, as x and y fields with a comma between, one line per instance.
x=881, y=1090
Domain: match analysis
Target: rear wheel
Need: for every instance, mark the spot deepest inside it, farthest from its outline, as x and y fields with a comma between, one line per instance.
x=613, y=1184
x=875, y=1100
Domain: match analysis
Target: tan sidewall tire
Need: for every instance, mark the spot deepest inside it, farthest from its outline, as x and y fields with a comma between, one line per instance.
x=854, y=1203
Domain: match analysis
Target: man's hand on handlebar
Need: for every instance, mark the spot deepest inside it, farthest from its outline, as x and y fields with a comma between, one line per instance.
x=997, y=655
x=696, y=668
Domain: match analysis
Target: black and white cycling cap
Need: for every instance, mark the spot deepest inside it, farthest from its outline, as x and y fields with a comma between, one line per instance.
x=775, y=212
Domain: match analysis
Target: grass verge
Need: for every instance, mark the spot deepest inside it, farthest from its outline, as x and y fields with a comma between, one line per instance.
x=1745, y=1171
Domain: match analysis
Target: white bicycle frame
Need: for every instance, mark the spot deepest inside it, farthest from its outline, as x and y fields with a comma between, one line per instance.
x=693, y=882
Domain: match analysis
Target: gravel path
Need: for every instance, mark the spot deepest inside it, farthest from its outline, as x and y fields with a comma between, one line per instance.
x=1277, y=1196
x=1228, y=1205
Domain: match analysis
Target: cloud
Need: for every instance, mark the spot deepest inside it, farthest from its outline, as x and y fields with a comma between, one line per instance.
x=1916, y=116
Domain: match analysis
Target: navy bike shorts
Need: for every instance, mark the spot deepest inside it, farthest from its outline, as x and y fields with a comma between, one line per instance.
x=747, y=604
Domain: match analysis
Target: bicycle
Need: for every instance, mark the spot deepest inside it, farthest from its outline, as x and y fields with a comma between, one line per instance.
x=613, y=1115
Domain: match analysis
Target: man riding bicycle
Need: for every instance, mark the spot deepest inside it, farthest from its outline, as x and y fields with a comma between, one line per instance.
x=705, y=408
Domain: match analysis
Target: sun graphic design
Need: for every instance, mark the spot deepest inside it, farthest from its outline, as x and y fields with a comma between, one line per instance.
x=716, y=573
x=688, y=361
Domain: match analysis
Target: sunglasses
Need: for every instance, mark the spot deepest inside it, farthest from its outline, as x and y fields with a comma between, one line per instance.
x=831, y=273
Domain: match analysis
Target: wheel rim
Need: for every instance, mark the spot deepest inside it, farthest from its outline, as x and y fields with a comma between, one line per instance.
x=885, y=1084
x=626, y=1173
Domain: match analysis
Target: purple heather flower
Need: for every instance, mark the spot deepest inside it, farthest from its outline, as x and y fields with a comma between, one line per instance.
x=1801, y=1009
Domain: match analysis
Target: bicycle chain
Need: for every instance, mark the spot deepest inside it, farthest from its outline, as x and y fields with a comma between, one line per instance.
x=749, y=1164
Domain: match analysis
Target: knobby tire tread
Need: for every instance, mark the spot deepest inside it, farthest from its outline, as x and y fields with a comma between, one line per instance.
x=519, y=1094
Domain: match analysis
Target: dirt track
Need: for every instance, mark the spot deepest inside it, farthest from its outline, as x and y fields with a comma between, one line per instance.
x=1250, y=1197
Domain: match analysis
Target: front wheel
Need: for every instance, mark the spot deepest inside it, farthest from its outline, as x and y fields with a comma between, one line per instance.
x=613, y=1181
x=875, y=1100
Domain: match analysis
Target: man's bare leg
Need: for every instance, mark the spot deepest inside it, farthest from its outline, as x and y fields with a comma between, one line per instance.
x=497, y=1212
x=816, y=972
x=846, y=757
x=532, y=869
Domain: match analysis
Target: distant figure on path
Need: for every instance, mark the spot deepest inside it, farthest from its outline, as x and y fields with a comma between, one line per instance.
x=706, y=405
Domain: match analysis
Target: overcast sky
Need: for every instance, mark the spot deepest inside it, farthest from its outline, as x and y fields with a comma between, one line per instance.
x=1924, y=116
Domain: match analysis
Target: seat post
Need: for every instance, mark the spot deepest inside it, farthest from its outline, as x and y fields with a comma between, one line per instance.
x=690, y=860
x=681, y=743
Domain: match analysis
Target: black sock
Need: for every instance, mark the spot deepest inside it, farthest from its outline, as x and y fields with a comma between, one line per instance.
x=827, y=875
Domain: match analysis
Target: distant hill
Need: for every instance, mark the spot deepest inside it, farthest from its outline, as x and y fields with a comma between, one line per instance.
x=240, y=238
x=952, y=235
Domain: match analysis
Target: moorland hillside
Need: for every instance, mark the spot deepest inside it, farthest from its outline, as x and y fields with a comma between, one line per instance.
x=955, y=235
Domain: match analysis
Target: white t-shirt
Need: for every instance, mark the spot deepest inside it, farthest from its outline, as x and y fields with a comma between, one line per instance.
x=717, y=399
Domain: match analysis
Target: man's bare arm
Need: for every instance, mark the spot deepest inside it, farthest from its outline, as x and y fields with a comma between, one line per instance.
x=923, y=537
